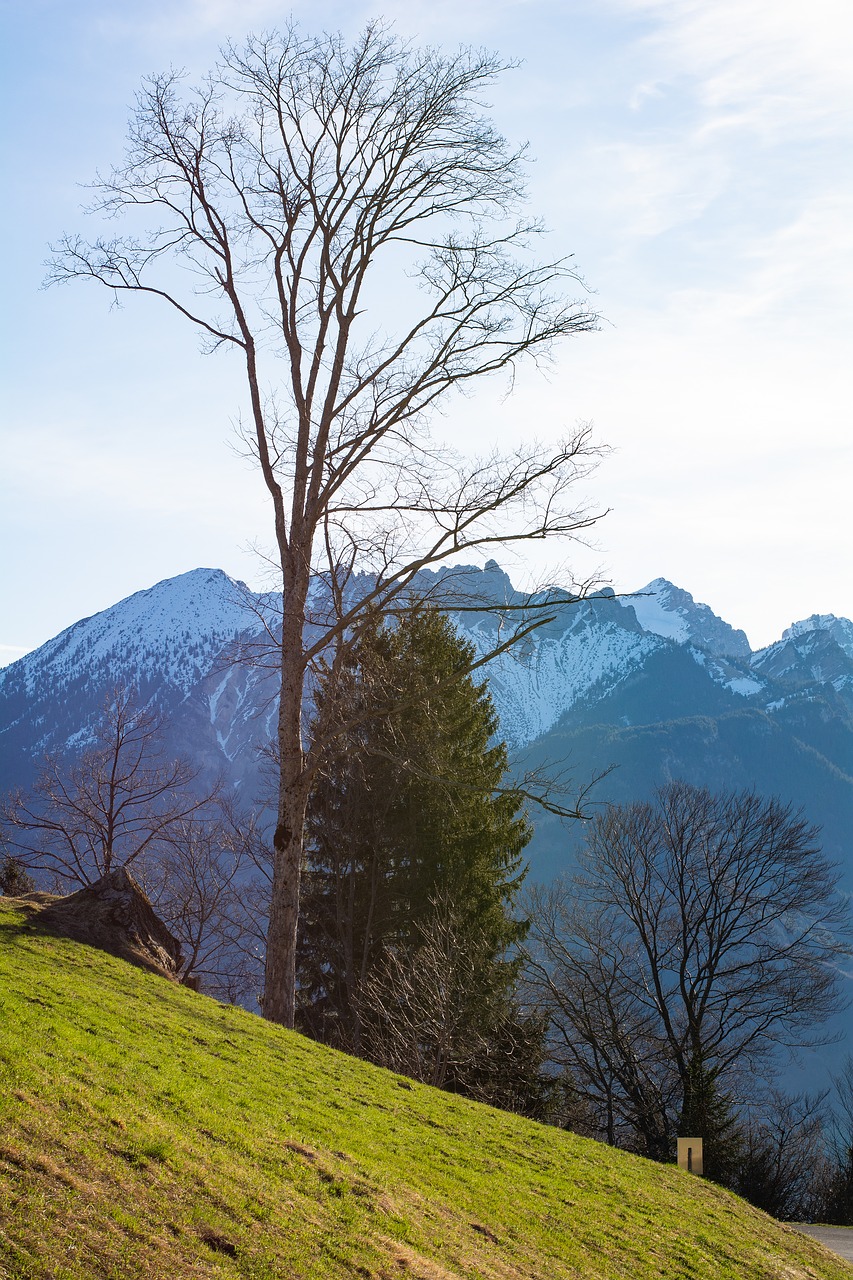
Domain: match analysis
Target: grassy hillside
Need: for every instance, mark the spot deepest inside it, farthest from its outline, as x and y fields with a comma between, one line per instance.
x=148, y=1131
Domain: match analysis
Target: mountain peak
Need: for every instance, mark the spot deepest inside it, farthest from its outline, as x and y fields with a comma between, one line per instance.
x=666, y=610
x=152, y=633
x=840, y=629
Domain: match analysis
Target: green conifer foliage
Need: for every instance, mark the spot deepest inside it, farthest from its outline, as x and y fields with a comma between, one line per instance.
x=14, y=878
x=412, y=844
x=711, y=1115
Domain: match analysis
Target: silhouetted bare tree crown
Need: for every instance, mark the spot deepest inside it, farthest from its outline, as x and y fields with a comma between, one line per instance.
x=281, y=184
x=702, y=930
x=120, y=801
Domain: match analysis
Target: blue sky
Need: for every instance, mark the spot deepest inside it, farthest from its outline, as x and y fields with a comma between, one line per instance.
x=694, y=155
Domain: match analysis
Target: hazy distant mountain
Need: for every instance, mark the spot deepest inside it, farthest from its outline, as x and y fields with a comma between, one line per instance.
x=168, y=643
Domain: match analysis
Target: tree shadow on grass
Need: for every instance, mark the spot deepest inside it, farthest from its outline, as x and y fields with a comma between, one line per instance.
x=24, y=914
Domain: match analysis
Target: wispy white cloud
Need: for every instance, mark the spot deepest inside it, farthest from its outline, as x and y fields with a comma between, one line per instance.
x=726, y=177
x=693, y=153
x=644, y=92
x=647, y=188
x=776, y=65
x=800, y=274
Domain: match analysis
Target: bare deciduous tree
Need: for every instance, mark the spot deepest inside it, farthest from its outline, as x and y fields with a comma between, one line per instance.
x=837, y=1201
x=124, y=803
x=701, y=929
x=204, y=883
x=281, y=184
x=783, y=1166
x=426, y=1008
x=120, y=800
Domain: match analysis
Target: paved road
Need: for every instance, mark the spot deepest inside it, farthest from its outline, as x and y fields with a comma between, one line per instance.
x=839, y=1239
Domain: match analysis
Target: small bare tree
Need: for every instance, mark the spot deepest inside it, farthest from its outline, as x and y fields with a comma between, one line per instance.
x=702, y=929
x=281, y=185
x=783, y=1164
x=424, y=1009
x=112, y=807
x=837, y=1200
x=205, y=882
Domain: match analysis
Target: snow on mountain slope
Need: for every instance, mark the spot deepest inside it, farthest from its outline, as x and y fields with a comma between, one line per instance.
x=731, y=675
x=666, y=610
x=583, y=656
x=174, y=642
x=164, y=643
x=651, y=607
x=170, y=632
x=840, y=629
x=810, y=656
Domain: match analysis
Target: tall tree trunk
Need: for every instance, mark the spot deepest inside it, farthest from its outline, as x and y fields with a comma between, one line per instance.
x=279, y=1003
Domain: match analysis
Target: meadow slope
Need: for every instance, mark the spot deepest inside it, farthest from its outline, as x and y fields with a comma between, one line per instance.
x=148, y=1131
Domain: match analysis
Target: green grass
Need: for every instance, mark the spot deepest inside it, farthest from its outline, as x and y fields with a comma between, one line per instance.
x=148, y=1131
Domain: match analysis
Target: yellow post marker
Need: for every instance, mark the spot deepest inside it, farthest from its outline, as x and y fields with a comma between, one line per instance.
x=689, y=1155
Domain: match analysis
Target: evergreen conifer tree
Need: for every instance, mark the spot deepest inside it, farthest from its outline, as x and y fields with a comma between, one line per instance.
x=14, y=878
x=710, y=1115
x=415, y=851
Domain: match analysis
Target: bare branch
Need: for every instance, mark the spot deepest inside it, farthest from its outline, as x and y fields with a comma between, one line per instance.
x=264, y=202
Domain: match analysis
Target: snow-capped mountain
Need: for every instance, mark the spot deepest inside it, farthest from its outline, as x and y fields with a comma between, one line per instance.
x=653, y=683
x=165, y=642
x=589, y=648
x=170, y=633
x=810, y=657
x=668, y=611
x=840, y=629
x=191, y=644
x=195, y=640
